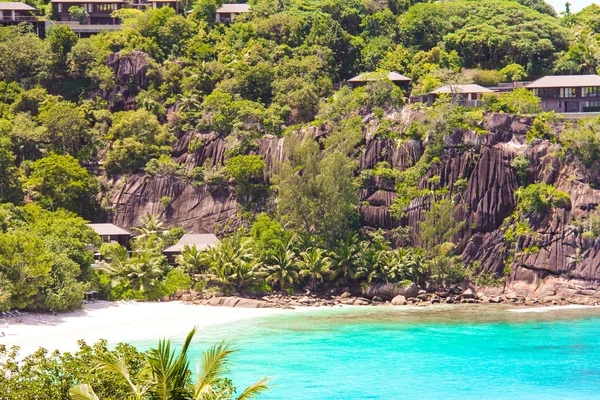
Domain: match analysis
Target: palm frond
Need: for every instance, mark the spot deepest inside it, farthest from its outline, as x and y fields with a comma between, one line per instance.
x=82, y=392
x=118, y=366
x=255, y=390
x=169, y=371
x=214, y=363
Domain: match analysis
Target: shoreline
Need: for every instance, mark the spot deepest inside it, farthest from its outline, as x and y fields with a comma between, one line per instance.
x=139, y=321
x=116, y=322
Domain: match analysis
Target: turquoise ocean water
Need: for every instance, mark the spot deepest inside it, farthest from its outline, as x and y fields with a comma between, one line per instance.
x=412, y=353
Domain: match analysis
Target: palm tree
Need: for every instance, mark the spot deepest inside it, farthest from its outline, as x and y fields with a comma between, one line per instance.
x=346, y=258
x=210, y=376
x=232, y=262
x=373, y=257
x=283, y=269
x=314, y=264
x=149, y=225
x=144, y=268
x=587, y=43
x=191, y=259
x=188, y=103
x=117, y=266
x=166, y=375
x=304, y=241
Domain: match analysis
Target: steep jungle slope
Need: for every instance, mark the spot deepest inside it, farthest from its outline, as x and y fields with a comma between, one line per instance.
x=554, y=248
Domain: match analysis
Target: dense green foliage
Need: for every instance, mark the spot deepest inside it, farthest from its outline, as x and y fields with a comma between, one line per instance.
x=44, y=261
x=71, y=132
x=97, y=372
x=143, y=274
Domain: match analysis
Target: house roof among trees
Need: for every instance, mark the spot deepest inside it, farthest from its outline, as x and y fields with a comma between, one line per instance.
x=108, y=229
x=469, y=88
x=392, y=76
x=233, y=8
x=15, y=6
x=558, y=81
x=89, y=1
x=200, y=240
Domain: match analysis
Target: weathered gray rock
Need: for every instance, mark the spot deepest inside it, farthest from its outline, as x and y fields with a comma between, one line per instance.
x=483, y=161
x=237, y=302
x=186, y=297
x=399, y=301
x=130, y=70
x=361, y=301
x=497, y=122
x=388, y=291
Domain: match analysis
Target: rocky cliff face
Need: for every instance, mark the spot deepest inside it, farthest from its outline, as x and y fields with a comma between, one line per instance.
x=564, y=258
x=131, y=76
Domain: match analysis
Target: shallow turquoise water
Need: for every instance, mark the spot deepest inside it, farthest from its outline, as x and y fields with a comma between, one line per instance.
x=388, y=353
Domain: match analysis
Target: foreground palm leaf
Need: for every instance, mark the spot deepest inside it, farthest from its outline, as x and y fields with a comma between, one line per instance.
x=166, y=375
x=83, y=392
x=169, y=372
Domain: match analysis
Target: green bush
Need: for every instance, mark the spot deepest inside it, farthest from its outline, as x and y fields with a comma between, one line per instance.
x=163, y=166
x=539, y=198
x=520, y=163
x=60, y=182
x=519, y=101
x=583, y=140
x=541, y=128
x=246, y=171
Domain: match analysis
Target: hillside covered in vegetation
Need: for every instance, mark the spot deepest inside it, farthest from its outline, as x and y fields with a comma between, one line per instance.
x=175, y=123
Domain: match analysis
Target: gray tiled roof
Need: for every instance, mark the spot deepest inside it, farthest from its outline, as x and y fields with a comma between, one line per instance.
x=470, y=88
x=16, y=6
x=557, y=81
x=200, y=240
x=233, y=8
x=392, y=76
x=108, y=229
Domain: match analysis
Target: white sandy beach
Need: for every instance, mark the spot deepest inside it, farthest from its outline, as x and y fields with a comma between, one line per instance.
x=117, y=322
x=545, y=309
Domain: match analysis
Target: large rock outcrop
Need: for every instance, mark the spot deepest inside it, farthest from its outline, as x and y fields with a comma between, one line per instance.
x=130, y=70
x=197, y=209
x=557, y=253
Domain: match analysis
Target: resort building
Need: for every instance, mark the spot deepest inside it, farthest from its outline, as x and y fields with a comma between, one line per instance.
x=201, y=241
x=228, y=12
x=140, y=4
x=17, y=12
x=164, y=3
x=362, y=79
x=98, y=17
x=110, y=233
x=568, y=93
x=13, y=13
x=463, y=95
